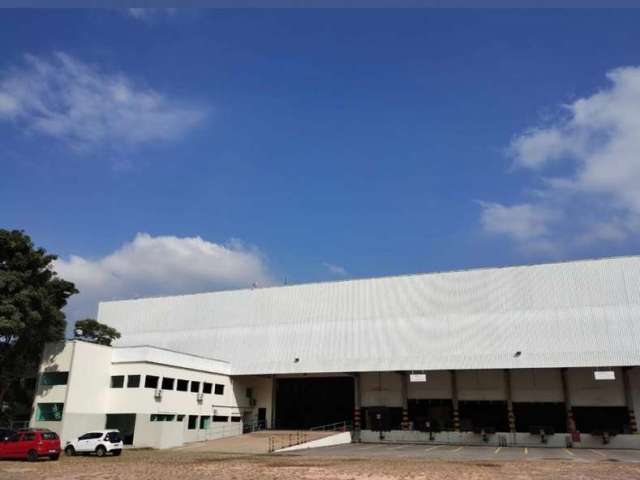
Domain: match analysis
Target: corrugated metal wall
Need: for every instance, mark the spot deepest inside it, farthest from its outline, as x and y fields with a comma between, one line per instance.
x=584, y=313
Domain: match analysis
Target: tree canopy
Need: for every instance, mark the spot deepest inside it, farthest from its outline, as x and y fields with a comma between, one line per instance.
x=93, y=331
x=31, y=300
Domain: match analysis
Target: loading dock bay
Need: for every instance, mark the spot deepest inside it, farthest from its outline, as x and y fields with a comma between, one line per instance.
x=469, y=453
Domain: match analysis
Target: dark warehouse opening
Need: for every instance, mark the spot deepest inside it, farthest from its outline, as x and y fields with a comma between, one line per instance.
x=313, y=401
x=475, y=415
x=598, y=420
x=550, y=417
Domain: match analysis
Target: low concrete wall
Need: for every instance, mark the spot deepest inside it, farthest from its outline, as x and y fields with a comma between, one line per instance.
x=559, y=440
x=337, y=439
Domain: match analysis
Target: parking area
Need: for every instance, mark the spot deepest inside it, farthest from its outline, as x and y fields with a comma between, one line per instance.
x=470, y=453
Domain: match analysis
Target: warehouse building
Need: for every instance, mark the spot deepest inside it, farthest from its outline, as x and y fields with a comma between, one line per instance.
x=542, y=354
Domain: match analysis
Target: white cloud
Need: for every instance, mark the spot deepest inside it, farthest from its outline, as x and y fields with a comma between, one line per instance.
x=335, y=269
x=147, y=14
x=596, y=144
x=163, y=265
x=63, y=98
x=528, y=224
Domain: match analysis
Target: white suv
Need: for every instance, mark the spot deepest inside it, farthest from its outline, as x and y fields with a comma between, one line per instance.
x=99, y=442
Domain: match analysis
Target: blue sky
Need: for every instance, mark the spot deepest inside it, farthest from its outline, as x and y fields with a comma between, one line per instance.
x=175, y=151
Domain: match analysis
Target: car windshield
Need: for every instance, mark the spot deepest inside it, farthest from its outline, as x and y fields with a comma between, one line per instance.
x=113, y=437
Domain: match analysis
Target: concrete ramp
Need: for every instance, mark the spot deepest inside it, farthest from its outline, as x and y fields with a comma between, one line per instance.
x=332, y=439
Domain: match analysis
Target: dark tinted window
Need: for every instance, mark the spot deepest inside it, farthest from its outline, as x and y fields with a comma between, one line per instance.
x=49, y=412
x=235, y=419
x=113, y=437
x=28, y=436
x=117, y=381
x=220, y=418
x=54, y=378
x=219, y=389
x=167, y=383
x=204, y=423
x=206, y=387
x=193, y=422
x=49, y=436
x=195, y=387
x=183, y=385
x=150, y=381
x=133, y=381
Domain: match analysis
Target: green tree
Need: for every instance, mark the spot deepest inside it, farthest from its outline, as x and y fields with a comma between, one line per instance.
x=93, y=331
x=31, y=300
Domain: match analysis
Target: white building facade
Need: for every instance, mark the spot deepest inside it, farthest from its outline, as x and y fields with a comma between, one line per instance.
x=500, y=355
x=156, y=398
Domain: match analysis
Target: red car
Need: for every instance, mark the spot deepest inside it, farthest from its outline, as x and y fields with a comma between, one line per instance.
x=31, y=444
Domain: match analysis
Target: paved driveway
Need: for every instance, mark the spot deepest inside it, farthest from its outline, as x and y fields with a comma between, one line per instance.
x=450, y=452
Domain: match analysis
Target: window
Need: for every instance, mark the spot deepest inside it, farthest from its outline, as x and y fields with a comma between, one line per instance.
x=54, y=378
x=204, y=422
x=113, y=437
x=220, y=418
x=49, y=436
x=180, y=418
x=167, y=383
x=133, y=381
x=183, y=385
x=195, y=387
x=49, y=412
x=91, y=436
x=28, y=437
x=206, y=387
x=219, y=389
x=117, y=381
x=193, y=422
x=150, y=381
x=162, y=418
x=236, y=419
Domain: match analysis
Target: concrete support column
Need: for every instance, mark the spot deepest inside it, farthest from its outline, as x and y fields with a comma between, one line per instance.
x=357, y=402
x=404, y=389
x=511, y=418
x=274, y=392
x=571, y=424
x=628, y=395
x=454, y=400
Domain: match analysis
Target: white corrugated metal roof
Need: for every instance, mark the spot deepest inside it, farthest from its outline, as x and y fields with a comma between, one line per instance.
x=583, y=313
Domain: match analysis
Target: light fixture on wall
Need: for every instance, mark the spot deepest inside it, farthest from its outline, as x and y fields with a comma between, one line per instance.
x=296, y=360
x=517, y=354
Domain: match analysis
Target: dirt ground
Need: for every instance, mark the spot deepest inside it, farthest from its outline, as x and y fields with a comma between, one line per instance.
x=182, y=465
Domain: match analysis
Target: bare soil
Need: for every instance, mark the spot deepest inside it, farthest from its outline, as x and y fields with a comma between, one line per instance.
x=188, y=465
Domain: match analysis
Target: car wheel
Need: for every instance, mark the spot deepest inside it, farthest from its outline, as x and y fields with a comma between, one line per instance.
x=101, y=451
x=54, y=457
x=116, y=453
x=70, y=451
x=32, y=455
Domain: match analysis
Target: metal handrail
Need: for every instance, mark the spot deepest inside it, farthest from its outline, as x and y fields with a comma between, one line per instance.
x=340, y=426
